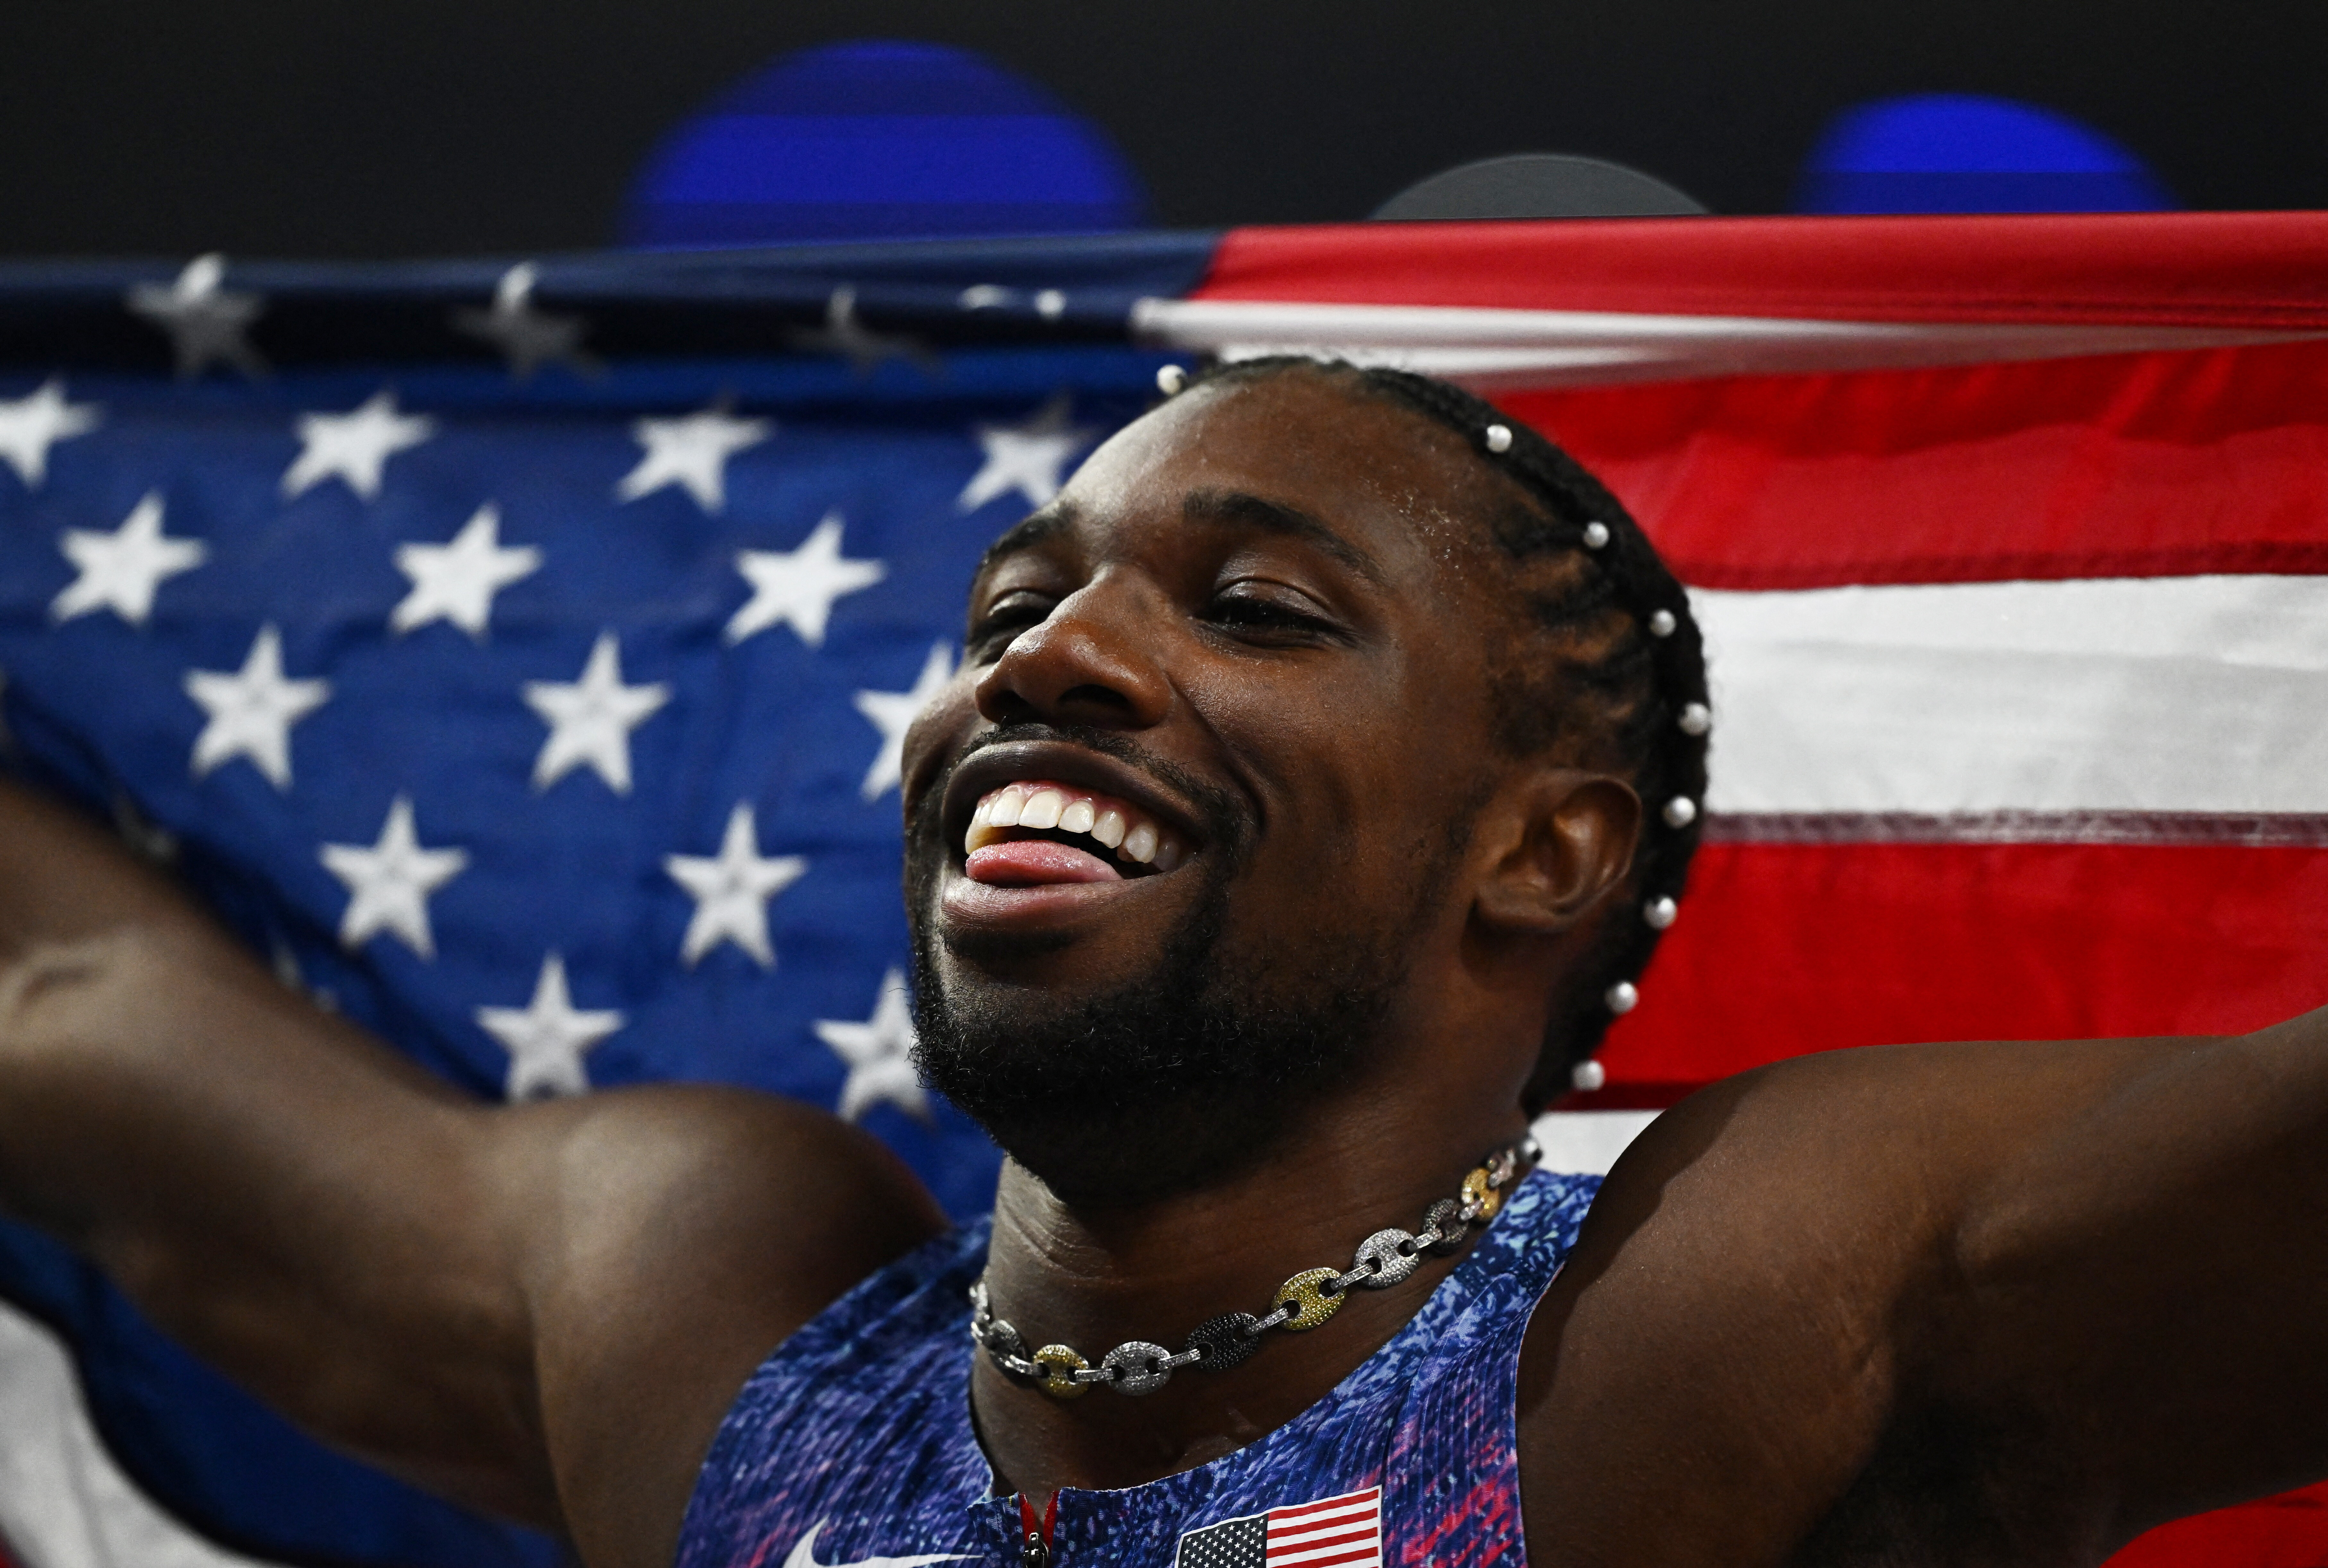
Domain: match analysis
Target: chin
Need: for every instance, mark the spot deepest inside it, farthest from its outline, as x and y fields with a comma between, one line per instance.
x=1121, y=1073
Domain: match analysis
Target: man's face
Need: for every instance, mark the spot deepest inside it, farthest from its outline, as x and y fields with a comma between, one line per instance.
x=1236, y=676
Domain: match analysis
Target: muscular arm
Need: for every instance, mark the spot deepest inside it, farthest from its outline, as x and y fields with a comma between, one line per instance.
x=2144, y=1280
x=1993, y=1302
x=541, y=1311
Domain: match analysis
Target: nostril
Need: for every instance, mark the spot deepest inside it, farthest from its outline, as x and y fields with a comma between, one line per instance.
x=1008, y=707
x=1094, y=696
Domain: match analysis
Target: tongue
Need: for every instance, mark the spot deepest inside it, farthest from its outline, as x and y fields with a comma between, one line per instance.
x=1031, y=862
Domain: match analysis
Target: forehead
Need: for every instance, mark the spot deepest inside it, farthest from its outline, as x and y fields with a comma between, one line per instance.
x=1389, y=483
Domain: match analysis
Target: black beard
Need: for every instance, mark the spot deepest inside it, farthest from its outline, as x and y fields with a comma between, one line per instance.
x=1179, y=1080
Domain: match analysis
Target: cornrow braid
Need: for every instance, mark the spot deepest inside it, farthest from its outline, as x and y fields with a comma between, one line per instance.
x=1614, y=669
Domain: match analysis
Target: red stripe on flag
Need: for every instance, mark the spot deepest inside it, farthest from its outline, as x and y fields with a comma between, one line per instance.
x=1788, y=948
x=1322, y=1524
x=2289, y=1531
x=1331, y=1532
x=1361, y=1555
x=2258, y=269
x=1307, y=1542
x=2118, y=465
x=1370, y=1498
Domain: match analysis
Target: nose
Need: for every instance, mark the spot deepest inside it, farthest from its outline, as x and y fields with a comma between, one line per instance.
x=1093, y=660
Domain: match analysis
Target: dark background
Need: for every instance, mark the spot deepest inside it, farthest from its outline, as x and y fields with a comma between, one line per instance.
x=431, y=126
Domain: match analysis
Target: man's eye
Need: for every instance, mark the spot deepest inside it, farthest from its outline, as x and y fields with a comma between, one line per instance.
x=1004, y=620
x=1245, y=611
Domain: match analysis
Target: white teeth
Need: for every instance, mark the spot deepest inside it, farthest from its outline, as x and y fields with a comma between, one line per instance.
x=981, y=832
x=1042, y=809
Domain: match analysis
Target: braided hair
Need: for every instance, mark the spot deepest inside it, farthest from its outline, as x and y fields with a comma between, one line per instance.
x=1606, y=663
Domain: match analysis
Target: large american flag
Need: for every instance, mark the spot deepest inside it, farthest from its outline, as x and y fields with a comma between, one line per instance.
x=516, y=655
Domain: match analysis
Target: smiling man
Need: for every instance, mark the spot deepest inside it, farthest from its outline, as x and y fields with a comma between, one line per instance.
x=1325, y=763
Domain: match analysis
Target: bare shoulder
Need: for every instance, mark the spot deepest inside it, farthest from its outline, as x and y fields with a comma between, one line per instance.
x=1733, y=1348
x=672, y=1237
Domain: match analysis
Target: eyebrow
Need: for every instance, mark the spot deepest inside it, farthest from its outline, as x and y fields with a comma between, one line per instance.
x=1239, y=509
x=1049, y=523
x=1212, y=508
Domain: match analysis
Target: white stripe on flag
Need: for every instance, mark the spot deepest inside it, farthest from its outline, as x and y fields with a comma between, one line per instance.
x=1566, y=348
x=1343, y=1532
x=2123, y=694
x=65, y=1503
x=1587, y=1142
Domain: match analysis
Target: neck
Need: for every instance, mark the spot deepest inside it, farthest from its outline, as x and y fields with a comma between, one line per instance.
x=1094, y=1277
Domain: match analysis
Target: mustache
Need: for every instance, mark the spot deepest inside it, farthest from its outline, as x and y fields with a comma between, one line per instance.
x=1227, y=823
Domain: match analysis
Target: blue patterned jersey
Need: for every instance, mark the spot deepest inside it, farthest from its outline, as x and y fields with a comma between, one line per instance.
x=852, y=1444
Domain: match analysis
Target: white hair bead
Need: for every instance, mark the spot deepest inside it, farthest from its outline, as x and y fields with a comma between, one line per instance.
x=1696, y=718
x=1499, y=437
x=1588, y=1075
x=1622, y=997
x=1680, y=812
x=1660, y=913
x=1596, y=534
x=1662, y=623
x=1170, y=380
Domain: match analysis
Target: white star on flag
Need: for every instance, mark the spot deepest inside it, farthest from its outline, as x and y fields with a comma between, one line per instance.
x=878, y=1053
x=456, y=582
x=799, y=586
x=390, y=883
x=843, y=333
x=731, y=891
x=894, y=712
x=122, y=570
x=1026, y=457
x=252, y=710
x=355, y=446
x=205, y=320
x=546, y=1037
x=32, y=424
x=691, y=452
x=527, y=336
x=591, y=719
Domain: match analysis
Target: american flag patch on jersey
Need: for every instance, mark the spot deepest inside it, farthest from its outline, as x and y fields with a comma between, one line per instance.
x=1343, y=1532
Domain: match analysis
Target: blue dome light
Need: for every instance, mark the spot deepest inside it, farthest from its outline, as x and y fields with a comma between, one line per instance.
x=1960, y=153
x=876, y=140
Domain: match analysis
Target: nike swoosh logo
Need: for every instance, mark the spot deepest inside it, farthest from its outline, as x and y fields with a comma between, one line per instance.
x=804, y=1555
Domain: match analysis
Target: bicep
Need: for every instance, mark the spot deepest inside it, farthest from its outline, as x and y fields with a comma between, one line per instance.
x=296, y=1204
x=503, y=1304
x=541, y=1310
x=1806, y=1288
x=1713, y=1364
x=2142, y=1272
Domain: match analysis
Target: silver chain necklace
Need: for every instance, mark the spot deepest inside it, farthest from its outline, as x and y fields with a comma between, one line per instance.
x=1302, y=1303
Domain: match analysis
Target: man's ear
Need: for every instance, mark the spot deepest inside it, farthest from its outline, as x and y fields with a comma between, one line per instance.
x=1560, y=839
